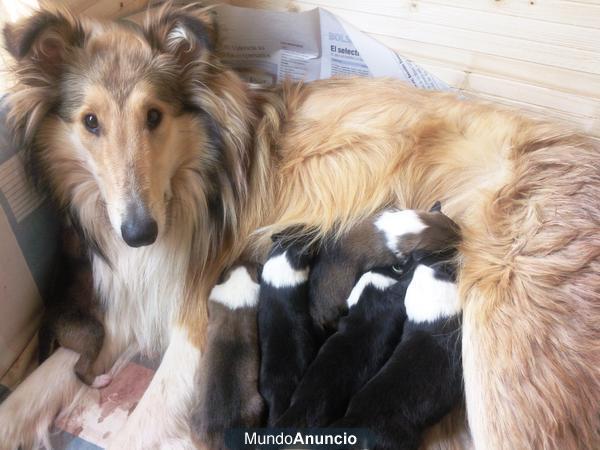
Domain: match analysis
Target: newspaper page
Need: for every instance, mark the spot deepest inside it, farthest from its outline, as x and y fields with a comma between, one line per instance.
x=267, y=47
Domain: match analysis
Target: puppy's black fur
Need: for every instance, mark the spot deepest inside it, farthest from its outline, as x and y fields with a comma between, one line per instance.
x=421, y=382
x=339, y=265
x=288, y=339
x=364, y=341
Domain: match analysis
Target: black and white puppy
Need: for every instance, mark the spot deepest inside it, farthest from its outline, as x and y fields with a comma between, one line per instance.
x=229, y=396
x=288, y=339
x=365, y=339
x=380, y=241
x=422, y=381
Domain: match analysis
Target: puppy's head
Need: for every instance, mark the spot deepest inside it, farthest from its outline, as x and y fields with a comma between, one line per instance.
x=412, y=232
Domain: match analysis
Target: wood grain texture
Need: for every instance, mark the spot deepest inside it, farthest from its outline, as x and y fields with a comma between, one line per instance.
x=107, y=8
x=540, y=56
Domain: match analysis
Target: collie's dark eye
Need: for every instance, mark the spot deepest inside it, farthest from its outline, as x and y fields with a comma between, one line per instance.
x=398, y=268
x=91, y=123
x=153, y=119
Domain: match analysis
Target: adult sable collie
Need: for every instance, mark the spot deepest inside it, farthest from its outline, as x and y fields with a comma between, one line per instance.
x=169, y=163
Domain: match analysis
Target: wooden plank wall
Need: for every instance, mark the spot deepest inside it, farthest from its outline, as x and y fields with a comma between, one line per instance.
x=539, y=55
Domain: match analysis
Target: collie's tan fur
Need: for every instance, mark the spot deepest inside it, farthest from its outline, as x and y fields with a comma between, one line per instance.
x=323, y=155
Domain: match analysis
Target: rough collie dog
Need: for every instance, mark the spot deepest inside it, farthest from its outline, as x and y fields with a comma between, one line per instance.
x=228, y=394
x=169, y=163
x=288, y=338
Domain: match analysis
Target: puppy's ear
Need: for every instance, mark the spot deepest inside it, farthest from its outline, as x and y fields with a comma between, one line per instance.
x=293, y=233
x=276, y=237
x=418, y=254
x=189, y=34
x=298, y=237
x=44, y=40
x=437, y=207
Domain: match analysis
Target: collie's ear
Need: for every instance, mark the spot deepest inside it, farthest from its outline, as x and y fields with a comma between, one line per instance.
x=293, y=233
x=44, y=39
x=41, y=45
x=189, y=34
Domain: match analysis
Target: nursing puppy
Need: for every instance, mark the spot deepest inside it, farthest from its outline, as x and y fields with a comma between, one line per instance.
x=366, y=338
x=229, y=396
x=422, y=381
x=288, y=339
x=71, y=316
x=379, y=241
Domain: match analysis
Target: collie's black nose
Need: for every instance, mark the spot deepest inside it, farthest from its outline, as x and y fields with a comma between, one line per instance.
x=138, y=227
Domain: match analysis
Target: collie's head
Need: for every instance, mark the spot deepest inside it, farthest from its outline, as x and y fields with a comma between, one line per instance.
x=130, y=126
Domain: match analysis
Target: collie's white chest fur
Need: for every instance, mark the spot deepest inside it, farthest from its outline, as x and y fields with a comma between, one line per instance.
x=141, y=290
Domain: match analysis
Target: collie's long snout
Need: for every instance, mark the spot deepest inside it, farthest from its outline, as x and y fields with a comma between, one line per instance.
x=138, y=227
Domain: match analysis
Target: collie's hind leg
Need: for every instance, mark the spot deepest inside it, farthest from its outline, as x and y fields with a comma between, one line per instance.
x=531, y=290
x=27, y=414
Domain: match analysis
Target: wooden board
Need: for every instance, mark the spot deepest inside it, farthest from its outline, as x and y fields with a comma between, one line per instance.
x=542, y=56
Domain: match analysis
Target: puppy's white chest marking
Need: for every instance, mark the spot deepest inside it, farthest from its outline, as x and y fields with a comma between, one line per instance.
x=398, y=223
x=237, y=292
x=429, y=298
x=374, y=279
x=279, y=273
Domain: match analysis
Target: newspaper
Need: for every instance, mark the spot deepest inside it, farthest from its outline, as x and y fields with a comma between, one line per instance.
x=267, y=47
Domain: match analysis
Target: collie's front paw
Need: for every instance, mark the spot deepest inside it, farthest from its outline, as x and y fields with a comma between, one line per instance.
x=135, y=436
x=19, y=426
x=140, y=442
x=151, y=434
